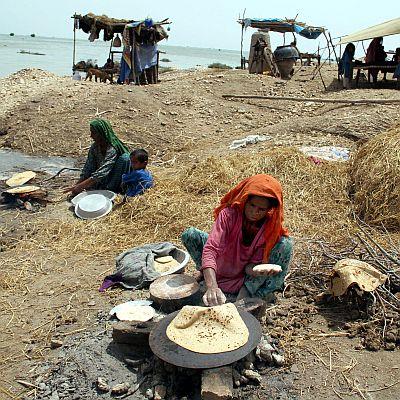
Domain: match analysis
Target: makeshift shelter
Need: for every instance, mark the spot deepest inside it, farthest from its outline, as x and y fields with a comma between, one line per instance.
x=388, y=28
x=140, y=57
x=266, y=25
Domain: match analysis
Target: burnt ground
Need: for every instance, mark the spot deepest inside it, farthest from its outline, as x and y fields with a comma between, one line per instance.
x=49, y=294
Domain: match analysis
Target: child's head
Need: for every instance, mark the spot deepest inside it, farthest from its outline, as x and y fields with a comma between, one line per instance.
x=139, y=159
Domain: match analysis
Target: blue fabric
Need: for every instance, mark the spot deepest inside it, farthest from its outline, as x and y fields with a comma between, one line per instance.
x=345, y=65
x=397, y=72
x=305, y=31
x=145, y=57
x=124, y=71
x=137, y=181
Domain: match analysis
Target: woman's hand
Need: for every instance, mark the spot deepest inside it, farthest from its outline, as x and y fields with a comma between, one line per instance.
x=74, y=190
x=214, y=297
x=263, y=270
x=80, y=186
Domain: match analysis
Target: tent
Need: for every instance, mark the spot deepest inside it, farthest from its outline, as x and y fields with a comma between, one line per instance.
x=387, y=28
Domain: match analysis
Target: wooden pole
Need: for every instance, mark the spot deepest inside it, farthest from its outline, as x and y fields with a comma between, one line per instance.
x=243, y=64
x=74, y=50
x=314, y=100
x=333, y=47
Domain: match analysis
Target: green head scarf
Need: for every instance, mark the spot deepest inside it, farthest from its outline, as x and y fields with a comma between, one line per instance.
x=103, y=128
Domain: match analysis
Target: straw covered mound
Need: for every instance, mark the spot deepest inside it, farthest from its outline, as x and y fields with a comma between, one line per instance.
x=375, y=180
x=315, y=197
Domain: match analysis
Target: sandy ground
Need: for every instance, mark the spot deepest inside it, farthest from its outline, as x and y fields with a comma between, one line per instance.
x=182, y=120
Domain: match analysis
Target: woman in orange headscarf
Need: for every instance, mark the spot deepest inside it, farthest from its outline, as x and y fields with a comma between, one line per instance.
x=248, y=231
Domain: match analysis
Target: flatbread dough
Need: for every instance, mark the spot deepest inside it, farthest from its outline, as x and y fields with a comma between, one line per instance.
x=23, y=189
x=208, y=330
x=165, y=264
x=20, y=178
x=264, y=267
x=135, y=313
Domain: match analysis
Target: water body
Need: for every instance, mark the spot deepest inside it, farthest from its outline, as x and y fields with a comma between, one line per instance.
x=12, y=162
x=58, y=54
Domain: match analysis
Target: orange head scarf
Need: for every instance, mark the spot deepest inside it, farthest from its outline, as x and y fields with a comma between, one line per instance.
x=264, y=186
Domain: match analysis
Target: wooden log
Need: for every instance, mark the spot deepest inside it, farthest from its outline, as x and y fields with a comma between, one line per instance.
x=172, y=292
x=314, y=99
x=217, y=383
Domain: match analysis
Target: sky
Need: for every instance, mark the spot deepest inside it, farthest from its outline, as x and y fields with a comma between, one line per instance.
x=203, y=23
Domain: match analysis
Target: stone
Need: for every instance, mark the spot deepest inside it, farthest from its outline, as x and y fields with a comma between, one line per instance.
x=102, y=384
x=295, y=369
x=390, y=346
x=279, y=360
x=252, y=375
x=217, y=383
x=243, y=380
x=121, y=388
x=56, y=343
x=391, y=337
x=149, y=394
x=159, y=392
x=132, y=333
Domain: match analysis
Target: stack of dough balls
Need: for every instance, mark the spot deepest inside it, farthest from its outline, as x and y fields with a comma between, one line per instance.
x=208, y=330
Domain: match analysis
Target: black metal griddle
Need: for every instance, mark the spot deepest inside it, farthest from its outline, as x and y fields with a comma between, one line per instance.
x=174, y=354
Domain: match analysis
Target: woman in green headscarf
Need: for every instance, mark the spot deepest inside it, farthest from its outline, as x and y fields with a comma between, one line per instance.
x=107, y=160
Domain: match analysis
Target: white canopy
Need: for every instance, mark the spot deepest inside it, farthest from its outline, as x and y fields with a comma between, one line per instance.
x=387, y=28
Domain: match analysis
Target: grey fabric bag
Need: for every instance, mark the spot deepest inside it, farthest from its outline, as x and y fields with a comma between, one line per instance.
x=136, y=266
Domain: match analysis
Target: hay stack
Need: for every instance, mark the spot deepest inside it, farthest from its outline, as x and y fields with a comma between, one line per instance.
x=315, y=197
x=375, y=177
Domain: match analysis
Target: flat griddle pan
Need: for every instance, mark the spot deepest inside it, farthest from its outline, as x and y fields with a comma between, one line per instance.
x=174, y=354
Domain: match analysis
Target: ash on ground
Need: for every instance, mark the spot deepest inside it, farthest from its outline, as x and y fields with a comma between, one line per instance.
x=91, y=366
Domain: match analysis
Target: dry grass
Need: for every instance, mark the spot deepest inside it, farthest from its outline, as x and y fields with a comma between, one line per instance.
x=316, y=204
x=375, y=179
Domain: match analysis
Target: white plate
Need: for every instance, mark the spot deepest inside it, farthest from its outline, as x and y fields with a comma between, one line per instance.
x=107, y=193
x=93, y=206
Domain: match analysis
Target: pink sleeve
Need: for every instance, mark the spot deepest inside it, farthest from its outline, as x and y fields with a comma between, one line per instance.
x=217, y=239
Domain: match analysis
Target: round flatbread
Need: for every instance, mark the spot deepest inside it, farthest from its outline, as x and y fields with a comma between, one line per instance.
x=348, y=272
x=267, y=267
x=23, y=189
x=208, y=330
x=135, y=313
x=164, y=259
x=20, y=178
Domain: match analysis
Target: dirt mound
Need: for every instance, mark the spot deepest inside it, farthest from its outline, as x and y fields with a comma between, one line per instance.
x=375, y=175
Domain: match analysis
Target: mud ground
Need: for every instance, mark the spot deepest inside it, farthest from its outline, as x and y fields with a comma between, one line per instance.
x=181, y=120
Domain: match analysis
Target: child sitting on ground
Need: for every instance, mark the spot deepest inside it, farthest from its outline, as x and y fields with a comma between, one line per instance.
x=139, y=179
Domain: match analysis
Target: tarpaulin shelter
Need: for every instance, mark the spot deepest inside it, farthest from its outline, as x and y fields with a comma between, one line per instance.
x=137, y=38
x=391, y=27
x=283, y=26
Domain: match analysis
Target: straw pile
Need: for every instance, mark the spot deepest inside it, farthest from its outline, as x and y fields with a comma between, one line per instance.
x=375, y=179
x=312, y=193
